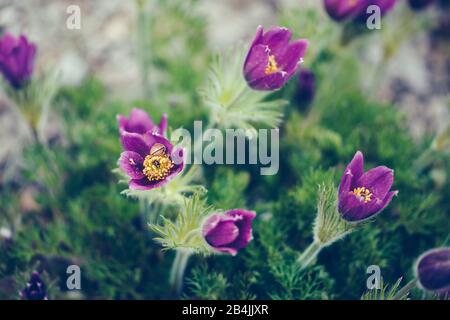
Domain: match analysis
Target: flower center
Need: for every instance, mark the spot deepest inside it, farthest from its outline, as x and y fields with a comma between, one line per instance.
x=363, y=193
x=272, y=66
x=157, y=166
x=352, y=3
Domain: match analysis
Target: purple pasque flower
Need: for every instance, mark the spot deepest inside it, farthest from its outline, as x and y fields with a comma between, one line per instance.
x=149, y=159
x=140, y=122
x=17, y=57
x=364, y=194
x=272, y=59
x=433, y=270
x=230, y=231
x=340, y=10
x=35, y=288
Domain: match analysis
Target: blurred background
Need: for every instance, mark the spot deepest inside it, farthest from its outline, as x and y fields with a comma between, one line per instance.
x=385, y=92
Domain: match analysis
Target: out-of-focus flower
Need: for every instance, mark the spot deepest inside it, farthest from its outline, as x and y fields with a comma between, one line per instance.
x=419, y=4
x=306, y=86
x=271, y=60
x=433, y=270
x=17, y=57
x=140, y=122
x=230, y=231
x=364, y=194
x=149, y=160
x=35, y=288
x=340, y=10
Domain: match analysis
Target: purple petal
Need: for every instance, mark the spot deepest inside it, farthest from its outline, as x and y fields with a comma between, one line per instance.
x=224, y=233
x=139, y=121
x=351, y=174
x=272, y=81
x=257, y=60
x=290, y=60
x=387, y=199
x=135, y=142
x=356, y=166
x=258, y=36
x=353, y=208
x=378, y=180
x=277, y=39
x=244, y=223
x=163, y=125
x=132, y=164
x=433, y=270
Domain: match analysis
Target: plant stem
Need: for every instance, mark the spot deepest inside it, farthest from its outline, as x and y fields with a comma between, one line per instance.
x=178, y=268
x=308, y=256
x=403, y=292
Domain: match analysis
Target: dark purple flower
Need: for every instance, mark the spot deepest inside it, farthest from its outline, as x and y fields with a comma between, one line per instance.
x=230, y=231
x=140, y=122
x=433, y=270
x=271, y=60
x=149, y=160
x=306, y=86
x=340, y=10
x=35, y=289
x=364, y=194
x=16, y=59
x=419, y=4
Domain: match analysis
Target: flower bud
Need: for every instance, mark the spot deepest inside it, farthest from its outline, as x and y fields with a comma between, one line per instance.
x=230, y=231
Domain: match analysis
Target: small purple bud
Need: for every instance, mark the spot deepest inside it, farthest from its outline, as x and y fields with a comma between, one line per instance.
x=17, y=57
x=433, y=270
x=35, y=288
x=362, y=195
x=306, y=86
x=272, y=59
x=230, y=231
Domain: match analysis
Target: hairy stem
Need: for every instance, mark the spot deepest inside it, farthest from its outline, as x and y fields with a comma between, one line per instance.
x=177, y=271
x=308, y=256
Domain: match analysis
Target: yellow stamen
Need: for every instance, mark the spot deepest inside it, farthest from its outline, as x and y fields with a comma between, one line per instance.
x=362, y=192
x=352, y=3
x=271, y=65
x=157, y=167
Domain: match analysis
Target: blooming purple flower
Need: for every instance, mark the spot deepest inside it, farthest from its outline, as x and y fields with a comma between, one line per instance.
x=364, y=194
x=140, y=122
x=271, y=60
x=230, y=231
x=149, y=160
x=433, y=270
x=340, y=10
x=306, y=86
x=16, y=59
x=35, y=288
